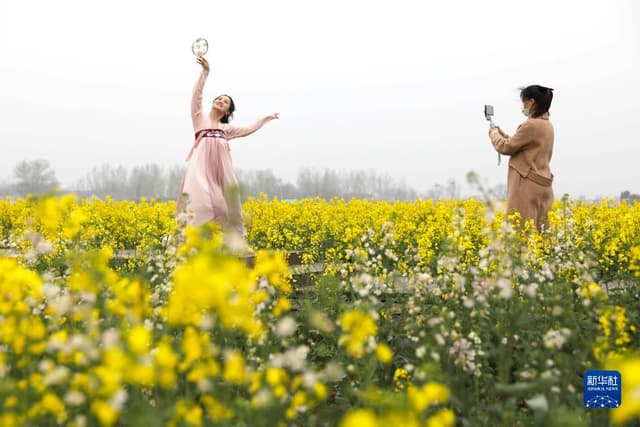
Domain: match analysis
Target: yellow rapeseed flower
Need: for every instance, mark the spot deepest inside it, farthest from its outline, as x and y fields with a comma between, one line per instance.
x=357, y=327
x=139, y=340
x=384, y=353
x=443, y=418
x=234, y=369
x=429, y=394
x=359, y=418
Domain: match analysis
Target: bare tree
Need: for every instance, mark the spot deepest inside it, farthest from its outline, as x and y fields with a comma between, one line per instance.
x=308, y=183
x=450, y=190
x=34, y=177
x=629, y=197
x=147, y=181
x=265, y=181
x=352, y=184
x=174, y=181
x=356, y=185
x=436, y=192
x=330, y=184
x=105, y=180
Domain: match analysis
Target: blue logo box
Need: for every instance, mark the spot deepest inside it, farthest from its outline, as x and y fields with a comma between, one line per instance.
x=602, y=389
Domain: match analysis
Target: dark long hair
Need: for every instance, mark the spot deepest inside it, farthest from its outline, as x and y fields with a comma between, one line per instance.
x=232, y=108
x=541, y=95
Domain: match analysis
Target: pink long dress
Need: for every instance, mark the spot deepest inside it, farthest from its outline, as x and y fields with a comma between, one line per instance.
x=210, y=183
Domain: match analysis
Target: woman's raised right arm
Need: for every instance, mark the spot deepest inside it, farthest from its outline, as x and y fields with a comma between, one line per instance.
x=196, y=98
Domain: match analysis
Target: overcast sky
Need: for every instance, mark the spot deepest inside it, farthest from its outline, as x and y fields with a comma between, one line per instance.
x=397, y=86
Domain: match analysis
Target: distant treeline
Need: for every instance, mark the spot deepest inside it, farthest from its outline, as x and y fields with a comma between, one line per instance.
x=154, y=181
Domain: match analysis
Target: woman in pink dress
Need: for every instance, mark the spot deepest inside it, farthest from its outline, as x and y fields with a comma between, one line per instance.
x=210, y=184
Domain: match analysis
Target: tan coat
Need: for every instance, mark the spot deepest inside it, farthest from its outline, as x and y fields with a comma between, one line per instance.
x=529, y=180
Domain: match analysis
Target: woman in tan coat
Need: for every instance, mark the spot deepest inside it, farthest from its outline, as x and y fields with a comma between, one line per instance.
x=529, y=179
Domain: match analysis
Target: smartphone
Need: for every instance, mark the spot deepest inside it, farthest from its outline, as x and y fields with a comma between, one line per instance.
x=488, y=112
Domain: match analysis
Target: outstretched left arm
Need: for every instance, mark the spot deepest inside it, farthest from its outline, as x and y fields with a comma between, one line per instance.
x=238, y=132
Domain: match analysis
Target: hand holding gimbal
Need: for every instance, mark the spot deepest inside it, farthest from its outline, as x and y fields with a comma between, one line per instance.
x=488, y=114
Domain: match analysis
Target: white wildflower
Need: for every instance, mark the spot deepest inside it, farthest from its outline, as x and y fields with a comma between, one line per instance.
x=556, y=339
x=56, y=376
x=74, y=398
x=119, y=399
x=80, y=420
x=46, y=365
x=286, y=327
x=110, y=338
x=262, y=398
x=506, y=288
x=531, y=290
x=334, y=372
